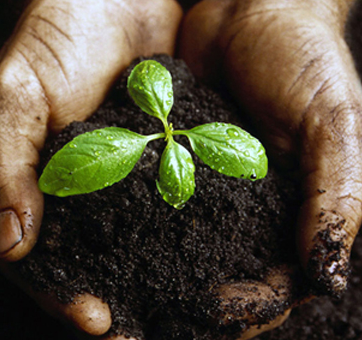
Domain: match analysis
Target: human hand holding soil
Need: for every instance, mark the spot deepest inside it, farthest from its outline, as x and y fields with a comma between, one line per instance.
x=57, y=67
x=288, y=64
x=46, y=74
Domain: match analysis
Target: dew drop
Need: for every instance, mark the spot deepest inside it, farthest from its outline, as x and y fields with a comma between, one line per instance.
x=110, y=137
x=217, y=160
x=72, y=145
x=232, y=132
x=247, y=153
x=106, y=184
x=221, y=169
x=97, y=153
x=168, y=102
x=170, y=94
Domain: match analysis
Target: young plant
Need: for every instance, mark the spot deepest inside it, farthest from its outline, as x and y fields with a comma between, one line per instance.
x=97, y=159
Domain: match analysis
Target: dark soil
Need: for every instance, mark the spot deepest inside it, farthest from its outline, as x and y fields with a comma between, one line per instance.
x=124, y=243
x=322, y=319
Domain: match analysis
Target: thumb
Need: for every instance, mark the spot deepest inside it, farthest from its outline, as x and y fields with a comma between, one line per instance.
x=22, y=130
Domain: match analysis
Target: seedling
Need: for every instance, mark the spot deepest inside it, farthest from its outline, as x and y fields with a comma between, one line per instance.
x=97, y=159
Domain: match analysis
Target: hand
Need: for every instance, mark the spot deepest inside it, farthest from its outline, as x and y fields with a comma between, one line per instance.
x=57, y=68
x=287, y=63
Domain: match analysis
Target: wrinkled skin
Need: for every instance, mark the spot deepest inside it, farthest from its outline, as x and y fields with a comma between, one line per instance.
x=286, y=62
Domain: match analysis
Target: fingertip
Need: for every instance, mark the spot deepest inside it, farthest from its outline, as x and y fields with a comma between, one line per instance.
x=254, y=307
x=11, y=232
x=324, y=248
x=18, y=234
x=88, y=314
x=20, y=222
x=21, y=210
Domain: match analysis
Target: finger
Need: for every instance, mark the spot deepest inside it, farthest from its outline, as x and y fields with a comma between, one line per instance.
x=86, y=313
x=53, y=71
x=254, y=307
x=330, y=216
x=289, y=65
x=21, y=136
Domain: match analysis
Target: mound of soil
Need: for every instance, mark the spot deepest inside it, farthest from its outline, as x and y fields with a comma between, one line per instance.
x=124, y=243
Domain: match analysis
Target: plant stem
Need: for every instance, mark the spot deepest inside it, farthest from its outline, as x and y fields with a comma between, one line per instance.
x=156, y=136
x=180, y=132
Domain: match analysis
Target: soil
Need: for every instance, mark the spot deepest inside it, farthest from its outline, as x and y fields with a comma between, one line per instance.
x=183, y=254
x=124, y=243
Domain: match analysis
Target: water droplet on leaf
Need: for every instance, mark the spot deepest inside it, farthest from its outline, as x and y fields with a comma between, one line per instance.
x=232, y=132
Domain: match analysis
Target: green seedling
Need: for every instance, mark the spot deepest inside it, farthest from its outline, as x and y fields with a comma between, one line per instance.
x=97, y=159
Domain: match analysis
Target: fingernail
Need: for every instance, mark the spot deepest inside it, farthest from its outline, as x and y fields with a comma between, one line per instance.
x=10, y=230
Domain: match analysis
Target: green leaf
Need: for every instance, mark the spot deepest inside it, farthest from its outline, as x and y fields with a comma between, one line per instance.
x=177, y=181
x=229, y=150
x=150, y=86
x=92, y=161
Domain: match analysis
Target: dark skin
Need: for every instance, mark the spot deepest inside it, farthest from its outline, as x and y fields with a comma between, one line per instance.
x=286, y=62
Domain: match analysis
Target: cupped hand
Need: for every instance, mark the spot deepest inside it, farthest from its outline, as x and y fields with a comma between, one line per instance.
x=288, y=65
x=56, y=68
